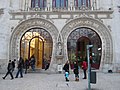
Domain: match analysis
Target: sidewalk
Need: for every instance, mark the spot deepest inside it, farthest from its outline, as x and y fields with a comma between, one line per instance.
x=39, y=81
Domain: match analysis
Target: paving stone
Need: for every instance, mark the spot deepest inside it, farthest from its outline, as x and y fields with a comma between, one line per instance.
x=40, y=81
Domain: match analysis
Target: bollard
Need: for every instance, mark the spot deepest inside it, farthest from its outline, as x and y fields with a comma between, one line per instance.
x=93, y=77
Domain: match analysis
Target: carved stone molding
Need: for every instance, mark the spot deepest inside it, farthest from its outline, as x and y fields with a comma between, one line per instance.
x=99, y=28
x=20, y=15
x=14, y=49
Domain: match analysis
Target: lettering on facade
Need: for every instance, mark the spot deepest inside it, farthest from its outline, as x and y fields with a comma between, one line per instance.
x=45, y=24
x=23, y=27
x=84, y=22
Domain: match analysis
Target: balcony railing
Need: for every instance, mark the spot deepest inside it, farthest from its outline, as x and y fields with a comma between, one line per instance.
x=61, y=12
x=72, y=8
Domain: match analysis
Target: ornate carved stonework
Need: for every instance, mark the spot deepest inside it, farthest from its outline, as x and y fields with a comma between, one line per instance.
x=26, y=25
x=99, y=28
x=60, y=14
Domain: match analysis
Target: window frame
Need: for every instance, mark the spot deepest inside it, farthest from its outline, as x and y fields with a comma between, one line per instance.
x=38, y=3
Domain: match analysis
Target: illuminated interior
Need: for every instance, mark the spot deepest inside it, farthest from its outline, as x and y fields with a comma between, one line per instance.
x=37, y=42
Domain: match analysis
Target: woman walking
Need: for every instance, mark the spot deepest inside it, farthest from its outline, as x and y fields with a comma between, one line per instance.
x=66, y=68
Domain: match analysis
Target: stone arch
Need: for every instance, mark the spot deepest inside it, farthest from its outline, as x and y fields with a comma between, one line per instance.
x=14, y=45
x=99, y=28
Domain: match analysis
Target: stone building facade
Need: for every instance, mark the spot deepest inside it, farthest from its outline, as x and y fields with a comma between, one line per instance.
x=49, y=29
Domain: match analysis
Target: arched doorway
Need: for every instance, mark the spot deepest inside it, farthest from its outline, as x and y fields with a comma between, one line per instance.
x=37, y=42
x=76, y=43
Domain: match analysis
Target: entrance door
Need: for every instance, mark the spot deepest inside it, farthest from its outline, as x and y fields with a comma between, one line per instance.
x=81, y=51
x=37, y=42
x=76, y=46
x=36, y=49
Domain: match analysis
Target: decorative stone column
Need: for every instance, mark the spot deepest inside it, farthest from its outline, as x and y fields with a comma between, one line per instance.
x=59, y=54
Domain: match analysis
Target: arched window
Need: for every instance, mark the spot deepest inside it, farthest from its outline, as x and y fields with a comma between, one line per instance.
x=59, y=3
x=79, y=3
x=38, y=3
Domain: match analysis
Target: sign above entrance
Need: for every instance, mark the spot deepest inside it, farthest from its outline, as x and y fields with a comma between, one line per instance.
x=83, y=22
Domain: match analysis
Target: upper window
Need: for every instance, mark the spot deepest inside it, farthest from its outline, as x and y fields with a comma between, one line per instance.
x=79, y=3
x=38, y=3
x=60, y=3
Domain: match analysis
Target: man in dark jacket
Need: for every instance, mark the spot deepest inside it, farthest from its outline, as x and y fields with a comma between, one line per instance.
x=13, y=64
x=9, y=68
x=76, y=71
x=20, y=67
x=26, y=65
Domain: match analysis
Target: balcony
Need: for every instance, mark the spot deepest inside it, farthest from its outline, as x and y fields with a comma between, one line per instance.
x=61, y=13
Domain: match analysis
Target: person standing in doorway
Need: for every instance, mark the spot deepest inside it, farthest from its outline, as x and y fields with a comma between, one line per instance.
x=66, y=68
x=26, y=65
x=20, y=67
x=32, y=62
x=10, y=70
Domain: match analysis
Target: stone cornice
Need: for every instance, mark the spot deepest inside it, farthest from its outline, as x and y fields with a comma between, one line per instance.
x=20, y=15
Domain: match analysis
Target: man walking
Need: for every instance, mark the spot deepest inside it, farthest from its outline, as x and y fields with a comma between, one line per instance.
x=10, y=70
x=20, y=67
x=13, y=64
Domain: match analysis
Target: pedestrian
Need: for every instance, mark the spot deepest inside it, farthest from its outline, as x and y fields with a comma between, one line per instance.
x=66, y=68
x=84, y=67
x=76, y=71
x=47, y=64
x=13, y=64
x=10, y=70
x=26, y=65
x=91, y=60
x=32, y=62
x=20, y=67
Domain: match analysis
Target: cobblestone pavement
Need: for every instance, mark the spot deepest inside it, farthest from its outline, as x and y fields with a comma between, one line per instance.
x=40, y=81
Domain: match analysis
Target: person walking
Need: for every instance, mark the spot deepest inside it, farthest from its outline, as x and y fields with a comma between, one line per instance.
x=76, y=71
x=20, y=67
x=10, y=70
x=32, y=62
x=47, y=64
x=84, y=67
x=66, y=68
x=13, y=64
x=26, y=65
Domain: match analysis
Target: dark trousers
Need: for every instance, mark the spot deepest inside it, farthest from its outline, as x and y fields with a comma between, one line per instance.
x=19, y=71
x=77, y=75
x=85, y=76
x=33, y=67
x=8, y=72
x=26, y=69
